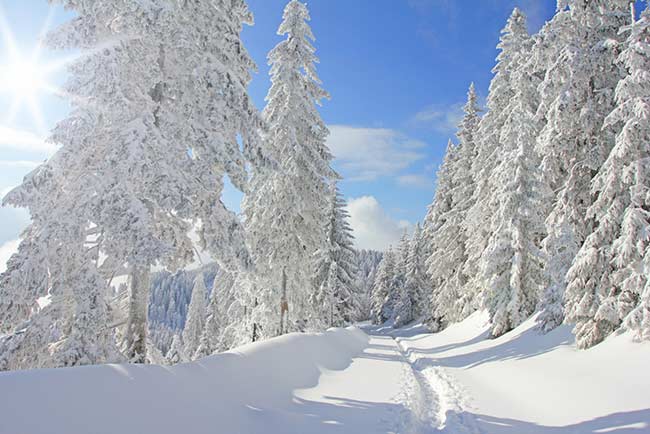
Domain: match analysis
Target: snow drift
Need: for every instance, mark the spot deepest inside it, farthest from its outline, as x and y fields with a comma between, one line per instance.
x=247, y=390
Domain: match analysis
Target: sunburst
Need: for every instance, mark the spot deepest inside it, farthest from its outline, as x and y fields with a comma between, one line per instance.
x=25, y=77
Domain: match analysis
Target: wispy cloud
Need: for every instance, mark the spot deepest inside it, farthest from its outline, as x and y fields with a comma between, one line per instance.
x=373, y=228
x=441, y=118
x=20, y=140
x=365, y=154
x=413, y=180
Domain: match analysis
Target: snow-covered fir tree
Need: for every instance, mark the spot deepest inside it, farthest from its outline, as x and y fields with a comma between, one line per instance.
x=447, y=236
x=414, y=301
x=513, y=264
x=154, y=127
x=285, y=209
x=607, y=284
x=478, y=223
x=196, y=314
x=384, y=290
x=176, y=353
x=335, y=296
x=577, y=93
x=369, y=261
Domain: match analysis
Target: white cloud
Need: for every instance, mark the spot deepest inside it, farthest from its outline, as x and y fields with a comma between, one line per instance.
x=373, y=228
x=365, y=154
x=419, y=181
x=11, y=138
x=444, y=119
x=6, y=250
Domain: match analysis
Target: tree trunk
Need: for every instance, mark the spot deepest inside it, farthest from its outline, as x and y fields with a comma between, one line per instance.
x=284, y=305
x=136, y=329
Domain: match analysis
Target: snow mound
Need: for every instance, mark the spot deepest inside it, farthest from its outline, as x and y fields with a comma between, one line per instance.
x=248, y=390
x=524, y=382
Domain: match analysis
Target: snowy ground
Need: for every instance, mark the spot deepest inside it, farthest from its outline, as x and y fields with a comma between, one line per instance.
x=346, y=382
x=524, y=383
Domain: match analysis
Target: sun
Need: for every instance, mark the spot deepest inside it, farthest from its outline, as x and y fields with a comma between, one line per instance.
x=23, y=79
x=24, y=76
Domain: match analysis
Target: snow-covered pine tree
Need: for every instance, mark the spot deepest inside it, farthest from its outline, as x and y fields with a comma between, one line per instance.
x=478, y=223
x=196, y=314
x=383, y=290
x=577, y=93
x=607, y=285
x=435, y=219
x=155, y=124
x=335, y=296
x=369, y=261
x=448, y=254
x=176, y=353
x=415, y=295
x=513, y=264
x=285, y=210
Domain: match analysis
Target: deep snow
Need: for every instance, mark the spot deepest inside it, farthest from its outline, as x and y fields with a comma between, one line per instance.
x=344, y=381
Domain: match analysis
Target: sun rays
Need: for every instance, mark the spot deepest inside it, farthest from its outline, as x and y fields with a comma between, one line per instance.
x=25, y=76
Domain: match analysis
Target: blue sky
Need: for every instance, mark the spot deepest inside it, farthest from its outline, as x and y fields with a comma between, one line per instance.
x=398, y=72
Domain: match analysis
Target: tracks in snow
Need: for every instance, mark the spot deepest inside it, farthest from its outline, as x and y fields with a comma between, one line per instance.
x=435, y=401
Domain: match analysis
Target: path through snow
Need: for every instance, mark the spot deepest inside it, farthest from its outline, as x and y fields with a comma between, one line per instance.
x=380, y=378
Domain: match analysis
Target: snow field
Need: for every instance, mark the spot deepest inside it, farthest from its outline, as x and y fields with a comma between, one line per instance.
x=524, y=382
x=248, y=390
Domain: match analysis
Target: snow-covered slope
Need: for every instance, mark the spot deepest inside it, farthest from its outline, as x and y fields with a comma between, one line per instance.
x=250, y=390
x=346, y=382
x=525, y=383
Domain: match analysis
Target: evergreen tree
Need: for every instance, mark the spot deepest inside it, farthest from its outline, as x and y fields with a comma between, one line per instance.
x=176, y=353
x=335, y=296
x=285, y=209
x=195, y=323
x=607, y=285
x=448, y=255
x=414, y=300
x=483, y=209
x=577, y=93
x=368, y=266
x=383, y=291
x=514, y=265
x=154, y=128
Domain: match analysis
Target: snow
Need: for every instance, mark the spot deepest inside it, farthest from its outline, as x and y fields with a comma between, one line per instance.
x=524, y=382
x=248, y=390
x=345, y=381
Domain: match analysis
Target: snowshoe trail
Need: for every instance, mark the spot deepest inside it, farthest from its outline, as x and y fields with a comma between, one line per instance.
x=435, y=401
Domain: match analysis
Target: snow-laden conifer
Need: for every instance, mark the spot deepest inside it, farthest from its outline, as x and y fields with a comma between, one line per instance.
x=607, y=284
x=577, y=93
x=489, y=154
x=335, y=292
x=448, y=255
x=195, y=322
x=285, y=210
x=158, y=107
x=176, y=353
x=384, y=289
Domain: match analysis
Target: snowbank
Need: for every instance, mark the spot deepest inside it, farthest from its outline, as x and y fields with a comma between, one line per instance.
x=524, y=382
x=249, y=390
